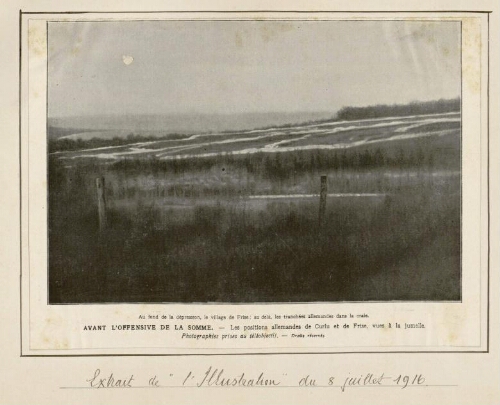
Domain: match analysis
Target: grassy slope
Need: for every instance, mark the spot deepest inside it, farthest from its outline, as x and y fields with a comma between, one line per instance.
x=406, y=246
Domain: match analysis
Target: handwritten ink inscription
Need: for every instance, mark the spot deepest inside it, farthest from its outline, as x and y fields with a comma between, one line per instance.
x=109, y=381
x=219, y=377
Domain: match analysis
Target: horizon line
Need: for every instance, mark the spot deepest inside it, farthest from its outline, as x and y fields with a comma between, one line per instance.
x=255, y=112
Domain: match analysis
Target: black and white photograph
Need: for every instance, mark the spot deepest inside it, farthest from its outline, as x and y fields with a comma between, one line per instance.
x=291, y=202
x=254, y=161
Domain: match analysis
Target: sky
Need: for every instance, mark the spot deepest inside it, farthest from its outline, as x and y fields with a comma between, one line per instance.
x=234, y=67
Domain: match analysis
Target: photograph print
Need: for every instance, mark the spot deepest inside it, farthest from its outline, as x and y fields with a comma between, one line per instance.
x=238, y=161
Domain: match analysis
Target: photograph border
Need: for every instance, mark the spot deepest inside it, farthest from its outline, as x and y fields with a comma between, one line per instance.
x=487, y=157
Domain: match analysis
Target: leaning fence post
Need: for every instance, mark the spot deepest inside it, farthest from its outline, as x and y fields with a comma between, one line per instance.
x=322, y=200
x=101, y=202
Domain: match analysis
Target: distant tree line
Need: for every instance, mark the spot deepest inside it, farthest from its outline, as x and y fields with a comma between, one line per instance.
x=398, y=110
x=440, y=106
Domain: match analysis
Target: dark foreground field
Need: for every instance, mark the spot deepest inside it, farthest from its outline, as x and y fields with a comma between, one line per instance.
x=207, y=229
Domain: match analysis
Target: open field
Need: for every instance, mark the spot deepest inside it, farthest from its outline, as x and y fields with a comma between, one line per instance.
x=326, y=135
x=233, y=217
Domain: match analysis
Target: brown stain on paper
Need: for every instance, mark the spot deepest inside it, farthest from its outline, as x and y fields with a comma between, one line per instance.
x=238, y=40
x=471, y=47
x=454, y=320
x=471, y=59
x=51, y=336
x=269, y=32
x=37, y=41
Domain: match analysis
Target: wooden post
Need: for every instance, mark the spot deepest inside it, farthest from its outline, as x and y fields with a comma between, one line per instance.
x=322, y=200
x=101, y=202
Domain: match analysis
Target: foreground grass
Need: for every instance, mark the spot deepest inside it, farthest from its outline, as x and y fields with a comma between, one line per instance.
x=405, y=246
x=185, y=231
